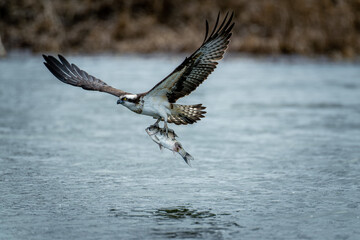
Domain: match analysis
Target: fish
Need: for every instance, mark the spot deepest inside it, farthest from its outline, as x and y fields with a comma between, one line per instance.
x=168, y=140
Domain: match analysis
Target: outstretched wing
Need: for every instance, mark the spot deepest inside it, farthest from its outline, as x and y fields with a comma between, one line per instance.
x=71, y=74
x=196, y=68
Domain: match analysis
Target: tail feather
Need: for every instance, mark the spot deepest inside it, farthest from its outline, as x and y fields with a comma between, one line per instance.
x=186, y=114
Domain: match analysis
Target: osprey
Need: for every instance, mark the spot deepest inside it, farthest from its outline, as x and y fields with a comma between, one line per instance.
x=159, y=102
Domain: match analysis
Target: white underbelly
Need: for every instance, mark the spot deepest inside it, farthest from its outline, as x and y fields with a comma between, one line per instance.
x=150, y=111
x=156, y=108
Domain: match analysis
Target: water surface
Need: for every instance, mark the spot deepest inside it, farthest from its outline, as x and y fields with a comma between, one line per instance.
x=277, y=156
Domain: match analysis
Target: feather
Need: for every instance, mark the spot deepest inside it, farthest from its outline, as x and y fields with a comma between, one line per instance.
x=73, y=75
x=196, y=68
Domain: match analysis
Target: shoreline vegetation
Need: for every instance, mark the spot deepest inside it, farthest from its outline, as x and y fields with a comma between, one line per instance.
x=264, y=27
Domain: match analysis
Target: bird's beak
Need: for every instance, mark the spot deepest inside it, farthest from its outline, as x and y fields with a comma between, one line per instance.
x=120, y=101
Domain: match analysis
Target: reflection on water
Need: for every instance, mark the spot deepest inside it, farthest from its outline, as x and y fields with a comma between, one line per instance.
x=196, y=223
x=277, y=156
x=180, y=221
x=182, y=212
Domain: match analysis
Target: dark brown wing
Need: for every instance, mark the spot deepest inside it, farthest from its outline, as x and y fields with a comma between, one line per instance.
x=71, y=74
x=196, y=68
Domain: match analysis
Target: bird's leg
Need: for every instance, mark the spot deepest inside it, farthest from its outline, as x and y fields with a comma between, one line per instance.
x=164, y=117
x=156, y=124
x=166, y=128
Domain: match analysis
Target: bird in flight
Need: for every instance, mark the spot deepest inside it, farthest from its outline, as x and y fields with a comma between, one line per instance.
x=160, y=101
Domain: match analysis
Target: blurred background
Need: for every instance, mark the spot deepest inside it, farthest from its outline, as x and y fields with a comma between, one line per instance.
x=305, y=27
x=276, y=157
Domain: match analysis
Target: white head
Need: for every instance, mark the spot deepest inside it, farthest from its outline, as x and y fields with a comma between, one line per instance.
x=129, y=100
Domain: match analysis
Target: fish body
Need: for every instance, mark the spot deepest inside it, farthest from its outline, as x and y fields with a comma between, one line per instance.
x=159, y=136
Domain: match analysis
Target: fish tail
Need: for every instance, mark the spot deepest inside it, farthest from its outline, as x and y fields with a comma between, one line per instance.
x=186, y=156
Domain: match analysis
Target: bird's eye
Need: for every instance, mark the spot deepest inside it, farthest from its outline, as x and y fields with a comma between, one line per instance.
x=124, y=99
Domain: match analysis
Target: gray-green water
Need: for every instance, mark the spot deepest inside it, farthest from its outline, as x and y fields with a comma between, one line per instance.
x=277, y=156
